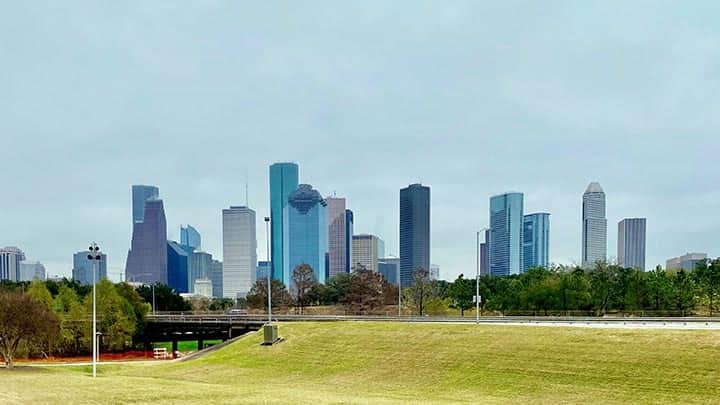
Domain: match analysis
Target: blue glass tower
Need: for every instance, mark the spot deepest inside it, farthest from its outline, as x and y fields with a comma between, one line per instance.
x=189, y=236
x=82, y=270
x=536, y=240
x=283, y=181
x=414, y=231
x=177, y=263
x=506, y=234
x=305, y=233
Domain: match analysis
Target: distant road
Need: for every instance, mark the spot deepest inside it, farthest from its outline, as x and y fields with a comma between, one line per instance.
x=700, y=323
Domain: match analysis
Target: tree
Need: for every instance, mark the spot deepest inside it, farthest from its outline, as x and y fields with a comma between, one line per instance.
x=39, y=292
x=602, y=283
x=366, y=291
x=166, y=299
x=23, y=318
x=461, y=293
x=116, y=317
x=707, y=276
x=303, y=282
x=73, y=318
x=684, y=292
x=139, y=306
x=257, y=297
x=420, y=292
x=659, y=288
x=336, y=289
x=220, y=304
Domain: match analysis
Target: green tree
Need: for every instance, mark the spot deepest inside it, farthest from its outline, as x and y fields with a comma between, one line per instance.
x=336, y=289
x=707, y=277
x=39, y=292
x=166, y=299
x=24, y=319
x=684, y=292
x=603, y=281
x=139, y=306
x=116, y=317
x=461, y=294
x=659, y=289
x=73, y=321
x=257, y=297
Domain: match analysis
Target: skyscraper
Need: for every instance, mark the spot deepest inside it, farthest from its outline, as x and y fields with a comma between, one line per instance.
x=349, y=229
x=414, y=231
x=594, y=237
x=199, y=267
x=485, y=255
x=366, y=251
x=189, y=236
x=216, y=278
x=178, y=263
x=141, y=194
x=536, y=240
x=389, y=267
x=263, y=267
x=305, y=232
x=631, y=243
x=82, y=270
x=283, y=181
x=434, y=272
x=10, y=258
x=239, y=251
x=686, y=262
x=337, y=240
x=506, y=234
x=147, y=258
x=31, y=271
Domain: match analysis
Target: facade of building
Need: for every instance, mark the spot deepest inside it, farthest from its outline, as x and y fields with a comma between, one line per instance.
x=82, y=270
x=178, y=263
x=216, y=274
x=389, y=267
x=685, y=262
x=199, y=267
x=594, y=232
x=414, y=231
x=631, y=243
x=140, y=195
x=434, y=272
x=31, y=271
x=305, y=233
x=506, y=234
x=349, y=229
x=485, y=255
x=283, y=181
x=147, y=258
x=263, y=267
x=189, y=236
x=203, y=287
x=536, y=240
x=366, y=250
x=337, y=248
x=10, y=258
x=239, y=251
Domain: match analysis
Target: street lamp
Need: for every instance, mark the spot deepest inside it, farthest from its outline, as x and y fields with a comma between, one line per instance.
x=477, y=277
x=269, y=269
x=95, y=256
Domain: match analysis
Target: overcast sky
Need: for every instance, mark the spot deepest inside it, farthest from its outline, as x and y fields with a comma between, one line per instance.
x=471, y=99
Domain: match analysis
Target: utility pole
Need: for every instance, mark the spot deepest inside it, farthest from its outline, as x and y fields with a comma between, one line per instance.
x=95, y=256
x=269, y=270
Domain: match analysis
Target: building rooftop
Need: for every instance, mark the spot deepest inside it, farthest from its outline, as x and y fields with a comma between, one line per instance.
x=594, y=187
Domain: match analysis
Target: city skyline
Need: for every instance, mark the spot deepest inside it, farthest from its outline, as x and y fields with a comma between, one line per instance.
x=348, y=98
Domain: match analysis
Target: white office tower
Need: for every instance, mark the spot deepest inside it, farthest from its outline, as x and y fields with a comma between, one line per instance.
x=594, y=232
x=239, y=251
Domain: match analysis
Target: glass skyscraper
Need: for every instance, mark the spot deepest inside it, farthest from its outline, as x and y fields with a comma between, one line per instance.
x=349, y=225
x=485, y=255
x=283, y=181
x=189, y=236
x=10, y=258
x=239, y=251
x=414, y=231
x=506, y=234
x=536, y=240
x=147, y=258
x=216, y=274
x=631, y=243
x=337, y=240
x=82, y=270
x=389, y=268
x=141, y=194
x=594, y=232
x=305, y=233
x=199, y=267
x=178, y=264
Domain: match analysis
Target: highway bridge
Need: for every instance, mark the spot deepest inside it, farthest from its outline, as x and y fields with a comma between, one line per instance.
x=174, y=327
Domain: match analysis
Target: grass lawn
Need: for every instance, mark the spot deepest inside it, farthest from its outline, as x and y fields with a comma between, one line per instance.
x=371, y=363
x=185, y=346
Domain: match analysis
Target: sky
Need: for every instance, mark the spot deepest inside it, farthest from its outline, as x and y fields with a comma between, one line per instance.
x=471, y=98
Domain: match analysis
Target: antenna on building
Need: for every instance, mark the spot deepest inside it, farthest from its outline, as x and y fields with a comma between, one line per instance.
x=247, y=203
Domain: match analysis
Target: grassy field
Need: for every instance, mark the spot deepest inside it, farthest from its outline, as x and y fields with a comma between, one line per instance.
x=185, y=346
x=371, y=363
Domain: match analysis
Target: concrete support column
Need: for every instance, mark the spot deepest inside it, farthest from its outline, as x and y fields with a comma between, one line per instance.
x=174, y=349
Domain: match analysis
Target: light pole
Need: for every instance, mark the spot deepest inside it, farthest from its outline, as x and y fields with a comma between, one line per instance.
x=269, y=269
x=94, y=255
x=477, y=277
x=153, y=294
x=399, y=290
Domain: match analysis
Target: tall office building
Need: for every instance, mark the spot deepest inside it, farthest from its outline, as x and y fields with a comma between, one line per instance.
x=434, y=272
x=305, y=232
x=283, y=181
x=685, y=262
x=178, y=263
x=141, y=194
x=147, y=257
x=414, y=231
x=199, y=267
x=485, y=255
x=216, y=278
x=366, y=250
x=594, y=237
x=31, y=271
x=506, y=234
x=389, y=267
x=239, y=251
x=536, y=240
x=337, y=241
x=189, y=236
x=263, y=267
x=10, y=258
x=349, y=228
x=631, y=243
x=82, y=270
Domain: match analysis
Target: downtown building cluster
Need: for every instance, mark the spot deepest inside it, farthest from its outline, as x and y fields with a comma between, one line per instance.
x=305, y=228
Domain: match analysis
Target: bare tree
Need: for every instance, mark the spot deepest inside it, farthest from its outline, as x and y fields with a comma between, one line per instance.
x=421, y=291
x=366, y=291
x=23, y=318
x=303, y=283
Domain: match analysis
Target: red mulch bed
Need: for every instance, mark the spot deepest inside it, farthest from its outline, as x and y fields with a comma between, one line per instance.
x=134, y=355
